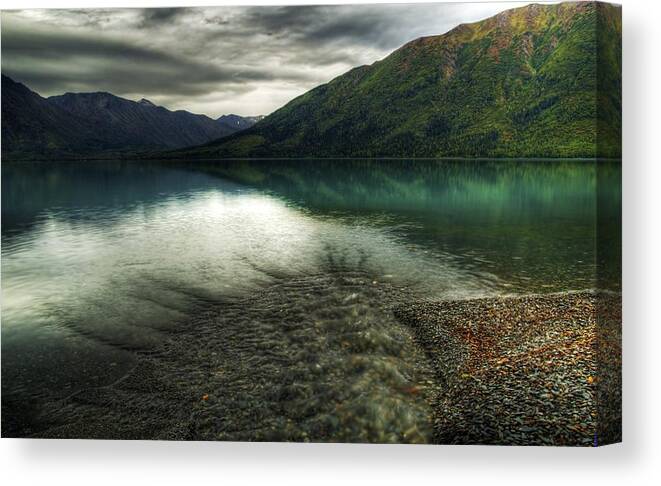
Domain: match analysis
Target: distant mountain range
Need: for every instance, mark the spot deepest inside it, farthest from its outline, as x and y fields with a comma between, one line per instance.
x=239, y=122
x=94, y=124
x=535, y=81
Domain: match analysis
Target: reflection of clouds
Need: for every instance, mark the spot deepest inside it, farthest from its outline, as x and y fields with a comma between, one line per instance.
x=212, y=60
x=116, y=270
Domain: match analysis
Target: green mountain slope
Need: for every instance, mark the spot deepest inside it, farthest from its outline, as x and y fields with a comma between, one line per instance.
x=523, y=83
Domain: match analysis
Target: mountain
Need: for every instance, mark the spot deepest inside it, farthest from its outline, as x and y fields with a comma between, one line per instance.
x=239, y=122
x=91, y=124
x=32, y=125
x=534, y=81
x=127, y=124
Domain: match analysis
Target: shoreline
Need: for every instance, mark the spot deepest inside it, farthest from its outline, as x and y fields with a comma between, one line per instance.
x=531, y=370
x=513, y=370
x=137, y=158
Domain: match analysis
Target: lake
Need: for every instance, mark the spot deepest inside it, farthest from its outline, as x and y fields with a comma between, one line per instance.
x=252, y=300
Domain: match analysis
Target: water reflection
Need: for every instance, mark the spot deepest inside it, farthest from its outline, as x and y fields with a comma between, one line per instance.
x=533, y=224
x=100, y=260
x=119, y=234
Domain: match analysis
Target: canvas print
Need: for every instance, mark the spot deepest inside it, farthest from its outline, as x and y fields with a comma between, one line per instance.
x=376, y=223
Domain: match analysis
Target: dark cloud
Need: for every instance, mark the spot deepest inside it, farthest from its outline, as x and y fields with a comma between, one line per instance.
x=158, y=16
x=246, y=60
x=62, y=46
x=47, y=61
x=377, y=26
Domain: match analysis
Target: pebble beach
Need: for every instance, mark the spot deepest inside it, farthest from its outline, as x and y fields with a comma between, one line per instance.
x=533, y=370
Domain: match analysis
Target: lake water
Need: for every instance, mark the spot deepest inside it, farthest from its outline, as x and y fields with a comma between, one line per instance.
x=252, y=300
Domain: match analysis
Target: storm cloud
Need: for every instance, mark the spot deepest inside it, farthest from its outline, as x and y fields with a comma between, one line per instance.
x=245, y=60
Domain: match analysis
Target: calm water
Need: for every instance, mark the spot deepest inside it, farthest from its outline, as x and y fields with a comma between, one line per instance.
x=266, y=287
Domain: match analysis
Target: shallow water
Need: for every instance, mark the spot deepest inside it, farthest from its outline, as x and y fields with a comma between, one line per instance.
x=267, y=287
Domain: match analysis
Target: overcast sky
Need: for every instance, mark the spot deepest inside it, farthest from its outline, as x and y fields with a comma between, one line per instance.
x=244, y=60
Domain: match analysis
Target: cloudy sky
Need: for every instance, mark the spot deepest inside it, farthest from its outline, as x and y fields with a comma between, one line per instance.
x=244, y=60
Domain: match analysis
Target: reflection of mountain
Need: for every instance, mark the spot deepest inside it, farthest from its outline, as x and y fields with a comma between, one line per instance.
x=563, y=188
x=29, y=187
x=540, y=80
x=78, y=124
x=501, y=209
x=525, y=218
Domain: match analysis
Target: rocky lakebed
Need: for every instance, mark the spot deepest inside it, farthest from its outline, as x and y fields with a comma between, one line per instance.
x=318, y=360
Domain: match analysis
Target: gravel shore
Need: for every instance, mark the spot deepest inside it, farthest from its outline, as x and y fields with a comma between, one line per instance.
x=324, y=359
x=533, y=370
